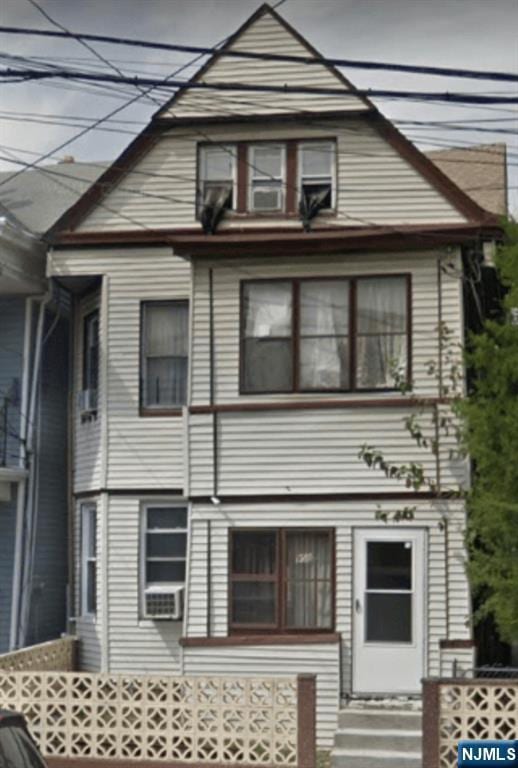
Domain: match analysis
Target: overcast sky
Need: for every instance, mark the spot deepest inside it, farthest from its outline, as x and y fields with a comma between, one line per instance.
x=476, y=34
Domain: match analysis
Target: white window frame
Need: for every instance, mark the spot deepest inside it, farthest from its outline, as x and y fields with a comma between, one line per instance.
x=301, y=177
x=144, y=356
x=204, y=150
x=252, y=165
x=143, y=585
x=88, y=517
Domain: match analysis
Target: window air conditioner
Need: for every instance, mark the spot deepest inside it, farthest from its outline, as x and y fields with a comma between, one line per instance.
x=164, y=601
x=87, y=401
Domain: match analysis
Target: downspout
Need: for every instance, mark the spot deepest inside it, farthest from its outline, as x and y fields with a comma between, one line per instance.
x=20, y=499
x=23, y=599
x=438, y=458
x=104, y=498
x=215, y=499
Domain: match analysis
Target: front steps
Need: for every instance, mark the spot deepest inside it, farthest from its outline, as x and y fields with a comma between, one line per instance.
x=370, y=737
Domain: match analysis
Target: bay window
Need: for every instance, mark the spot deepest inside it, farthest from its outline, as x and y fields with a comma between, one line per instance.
x=164, y=354
x=325, y=334
x=281, y=580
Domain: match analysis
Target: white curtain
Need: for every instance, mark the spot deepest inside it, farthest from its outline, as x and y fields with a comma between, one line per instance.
x=381, y=331
x=166, y=351
x=324, y=329
x=309, y=580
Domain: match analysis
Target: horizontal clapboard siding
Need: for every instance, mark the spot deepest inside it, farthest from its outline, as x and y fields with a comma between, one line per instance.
x=141, y=452
x=344, y=518
x=374, y=183
x=134, y=644
x=278, y=661
x=265, y=35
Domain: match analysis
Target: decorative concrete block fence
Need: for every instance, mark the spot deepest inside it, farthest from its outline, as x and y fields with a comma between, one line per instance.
x=466, y=709
x=56, y=655
x=84, y=719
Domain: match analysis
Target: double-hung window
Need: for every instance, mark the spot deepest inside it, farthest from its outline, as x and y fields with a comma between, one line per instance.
x=267, y=169
x=218, y=175
x=316, y=173
x=324, y=335
x=88, y=559
x=282, y=580
x=164, y=356
x=164, y=556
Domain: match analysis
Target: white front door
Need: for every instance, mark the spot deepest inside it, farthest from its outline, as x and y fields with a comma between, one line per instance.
x=389, y=611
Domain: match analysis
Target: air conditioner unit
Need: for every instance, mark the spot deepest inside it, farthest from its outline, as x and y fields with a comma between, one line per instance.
x=164, y=601
x=87, y=401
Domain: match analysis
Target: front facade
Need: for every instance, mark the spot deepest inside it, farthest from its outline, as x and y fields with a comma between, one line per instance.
x=245, y=296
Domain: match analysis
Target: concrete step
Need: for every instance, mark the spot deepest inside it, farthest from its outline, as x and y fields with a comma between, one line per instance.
x=376, y=719
x=384, y=739
x=350, y=758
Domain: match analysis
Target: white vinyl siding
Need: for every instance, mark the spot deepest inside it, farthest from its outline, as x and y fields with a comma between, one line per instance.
x=88, y=628
x=374, y=184
x=266, y=35
x=140, y=450
x=343, y=517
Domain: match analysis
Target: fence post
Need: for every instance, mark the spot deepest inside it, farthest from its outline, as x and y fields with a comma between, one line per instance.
x=431, y=718
x=306, y=721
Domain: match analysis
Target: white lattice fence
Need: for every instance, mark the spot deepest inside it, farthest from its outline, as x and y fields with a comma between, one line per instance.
x=475, y=710
x=194, y=719
x=56, y=655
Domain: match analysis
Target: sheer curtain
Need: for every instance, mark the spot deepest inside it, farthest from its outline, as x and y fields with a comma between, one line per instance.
x=381, y=346
x=166, y=351
x=309, y=580
x=324, y=329
x=268, y=336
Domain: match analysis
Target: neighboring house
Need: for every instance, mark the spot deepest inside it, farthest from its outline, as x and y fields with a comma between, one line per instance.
x=34, y=322
x=224, y=384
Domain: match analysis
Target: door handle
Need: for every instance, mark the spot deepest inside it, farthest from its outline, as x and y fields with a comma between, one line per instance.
x=357, y=606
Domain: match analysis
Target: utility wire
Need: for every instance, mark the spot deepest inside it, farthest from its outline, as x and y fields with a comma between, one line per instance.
x=309, y=60
x=25, y=75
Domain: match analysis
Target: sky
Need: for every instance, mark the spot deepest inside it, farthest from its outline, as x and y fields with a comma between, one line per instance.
x=470, y=34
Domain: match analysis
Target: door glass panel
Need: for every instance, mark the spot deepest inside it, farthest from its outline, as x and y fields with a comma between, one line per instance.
x=389, y=565
x=388, y=618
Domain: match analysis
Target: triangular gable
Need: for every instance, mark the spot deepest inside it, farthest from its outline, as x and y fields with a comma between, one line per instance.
x=266, y=33
x=109, y=196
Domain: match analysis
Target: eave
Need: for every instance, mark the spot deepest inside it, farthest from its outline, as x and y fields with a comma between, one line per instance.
x=288, y=242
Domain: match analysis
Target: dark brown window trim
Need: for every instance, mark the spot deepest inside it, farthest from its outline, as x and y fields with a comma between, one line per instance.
x=290, y=183
x=280, y=580
x=159, y=412
x=317, y=405
x=295, y=337
x=322, y=638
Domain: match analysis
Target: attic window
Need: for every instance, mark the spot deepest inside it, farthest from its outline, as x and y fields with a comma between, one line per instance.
x=267, y=174
x=316, y=164
x=218, y=175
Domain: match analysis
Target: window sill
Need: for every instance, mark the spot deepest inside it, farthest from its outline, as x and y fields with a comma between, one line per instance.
x=159, y=412
x=235, y=640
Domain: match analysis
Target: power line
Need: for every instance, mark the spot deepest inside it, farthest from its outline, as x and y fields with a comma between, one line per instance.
x=138, y=82
x=286, y=58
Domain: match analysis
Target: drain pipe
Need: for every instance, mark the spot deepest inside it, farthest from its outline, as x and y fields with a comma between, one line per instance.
x=23, y=587
x=20, y=499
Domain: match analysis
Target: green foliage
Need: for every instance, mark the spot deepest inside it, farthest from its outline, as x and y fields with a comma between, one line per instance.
x=490, y=416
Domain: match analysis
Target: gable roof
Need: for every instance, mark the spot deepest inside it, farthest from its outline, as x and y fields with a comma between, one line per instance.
x=38, y=197
x=265, y=32
x=173, y=113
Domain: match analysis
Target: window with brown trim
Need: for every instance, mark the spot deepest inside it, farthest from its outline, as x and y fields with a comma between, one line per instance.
x=268, y=177
x=325, y=334
x=164, y=354
x=281, y=580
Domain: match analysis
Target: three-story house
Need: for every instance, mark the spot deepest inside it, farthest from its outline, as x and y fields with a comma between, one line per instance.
x=250, y=278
